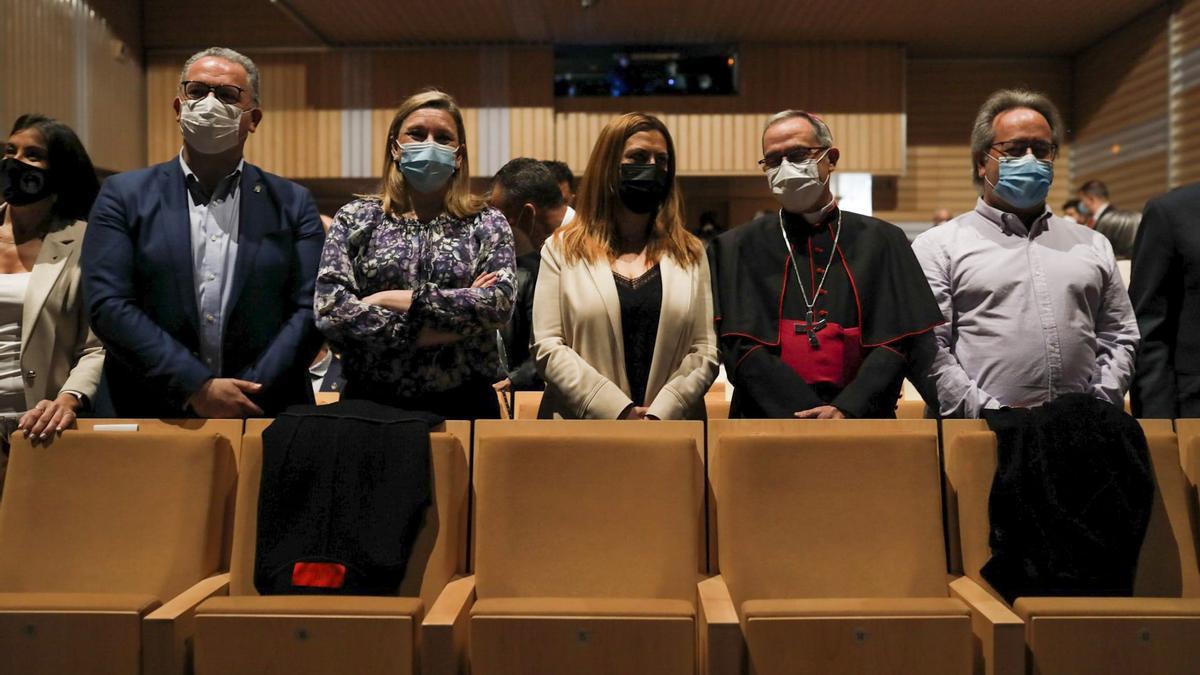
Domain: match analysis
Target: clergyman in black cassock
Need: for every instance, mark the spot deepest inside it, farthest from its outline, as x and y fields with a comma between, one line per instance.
x=817, y=309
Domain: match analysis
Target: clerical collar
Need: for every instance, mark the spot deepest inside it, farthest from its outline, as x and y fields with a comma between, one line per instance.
x=806, y=222
x=811, y=217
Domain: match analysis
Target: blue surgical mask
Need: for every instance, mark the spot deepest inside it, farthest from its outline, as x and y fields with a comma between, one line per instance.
x=427, y=165
x=1024, y=181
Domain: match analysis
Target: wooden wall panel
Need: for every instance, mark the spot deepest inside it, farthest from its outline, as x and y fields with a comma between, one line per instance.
x=1185, y=94
x=730, y=144
x=61, y=59
x=1122, y=115
x=858, y=89
x=945, y=94
x=531, y=132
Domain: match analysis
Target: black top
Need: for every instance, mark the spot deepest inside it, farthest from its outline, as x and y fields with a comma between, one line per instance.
x=641, y=305
x=875, y=287
x=518, y=332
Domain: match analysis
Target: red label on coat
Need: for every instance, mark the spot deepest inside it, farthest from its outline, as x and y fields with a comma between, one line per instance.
x=318, y=575
x=835, y=359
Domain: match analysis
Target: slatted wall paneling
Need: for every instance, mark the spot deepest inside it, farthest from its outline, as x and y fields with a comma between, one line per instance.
x=61, y=59
x=1185, y=94
x=1122, y=123
x=314, y=103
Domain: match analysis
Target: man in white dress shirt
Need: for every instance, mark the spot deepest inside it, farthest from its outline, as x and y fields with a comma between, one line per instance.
x=1034, y=305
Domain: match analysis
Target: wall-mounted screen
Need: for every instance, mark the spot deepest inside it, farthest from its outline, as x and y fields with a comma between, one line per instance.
x=693, y=70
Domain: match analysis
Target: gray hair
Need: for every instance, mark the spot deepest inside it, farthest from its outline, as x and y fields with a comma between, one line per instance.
x=824, y=136
x=231, y=56
x=983, y=135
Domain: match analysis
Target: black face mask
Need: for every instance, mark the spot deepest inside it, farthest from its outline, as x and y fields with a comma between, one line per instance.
x=643, y=187
x=23, y=183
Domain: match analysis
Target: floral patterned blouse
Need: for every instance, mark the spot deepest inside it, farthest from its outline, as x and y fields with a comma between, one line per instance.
x=367, y=251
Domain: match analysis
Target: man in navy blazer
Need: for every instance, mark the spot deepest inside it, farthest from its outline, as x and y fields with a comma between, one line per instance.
x=199, y=271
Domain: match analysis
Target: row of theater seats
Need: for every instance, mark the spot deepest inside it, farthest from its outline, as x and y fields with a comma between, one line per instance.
x=583, y=547
x=716, y=404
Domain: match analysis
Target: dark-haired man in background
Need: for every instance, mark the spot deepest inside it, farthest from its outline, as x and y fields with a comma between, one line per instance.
x=528, y=195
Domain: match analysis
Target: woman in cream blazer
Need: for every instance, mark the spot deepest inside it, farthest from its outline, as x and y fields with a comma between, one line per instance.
x=48, y=185
x=628, y=228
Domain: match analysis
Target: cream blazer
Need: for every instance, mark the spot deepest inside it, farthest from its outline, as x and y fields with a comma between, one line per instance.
x=58, y=350
x=579, y=347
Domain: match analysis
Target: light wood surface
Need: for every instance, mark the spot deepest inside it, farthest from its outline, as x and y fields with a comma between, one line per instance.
x=582, y=646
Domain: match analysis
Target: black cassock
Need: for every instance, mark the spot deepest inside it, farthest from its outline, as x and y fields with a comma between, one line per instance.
x=853, y=352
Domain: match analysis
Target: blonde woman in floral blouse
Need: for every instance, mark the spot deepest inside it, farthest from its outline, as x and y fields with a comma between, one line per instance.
x=414, y=282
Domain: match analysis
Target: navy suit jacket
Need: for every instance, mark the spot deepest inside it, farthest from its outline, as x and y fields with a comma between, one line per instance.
x=137, y=279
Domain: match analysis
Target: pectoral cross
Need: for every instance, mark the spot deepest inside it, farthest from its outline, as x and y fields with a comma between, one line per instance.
x=811, y=328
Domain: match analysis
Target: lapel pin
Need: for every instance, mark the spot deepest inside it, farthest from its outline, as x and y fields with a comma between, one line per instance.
x=258, y=187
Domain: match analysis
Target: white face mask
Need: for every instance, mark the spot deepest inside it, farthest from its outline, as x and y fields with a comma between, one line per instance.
x=209, y=126
x=797, y=186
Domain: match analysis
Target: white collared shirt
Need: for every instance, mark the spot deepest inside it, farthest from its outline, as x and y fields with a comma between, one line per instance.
x=214, y=230
x=1031, y=312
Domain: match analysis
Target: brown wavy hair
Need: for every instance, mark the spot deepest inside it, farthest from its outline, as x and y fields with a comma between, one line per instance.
x=394, y=190
x=591, y=235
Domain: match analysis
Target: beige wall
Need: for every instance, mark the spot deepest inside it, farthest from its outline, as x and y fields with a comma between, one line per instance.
x=60, y=58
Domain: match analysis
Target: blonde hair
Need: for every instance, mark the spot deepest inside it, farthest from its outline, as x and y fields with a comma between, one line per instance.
x=394, y=190
x=591, y=235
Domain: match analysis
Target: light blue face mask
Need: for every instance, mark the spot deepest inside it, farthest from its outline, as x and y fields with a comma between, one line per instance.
x=427, y=165
x=1024, y=181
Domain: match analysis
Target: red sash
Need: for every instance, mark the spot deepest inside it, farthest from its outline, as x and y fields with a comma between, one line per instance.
x=835, y=360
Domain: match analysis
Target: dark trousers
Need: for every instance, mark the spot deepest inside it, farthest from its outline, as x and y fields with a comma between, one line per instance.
x=469, y=401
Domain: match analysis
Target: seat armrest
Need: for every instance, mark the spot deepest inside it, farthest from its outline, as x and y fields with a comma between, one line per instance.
x=1001, y=633
x=444, y=630
x=722, y=646
x=167, y=632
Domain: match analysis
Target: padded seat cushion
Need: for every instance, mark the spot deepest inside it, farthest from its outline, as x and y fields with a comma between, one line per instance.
x=330, y=605
x=584, y=607
x=865, y=607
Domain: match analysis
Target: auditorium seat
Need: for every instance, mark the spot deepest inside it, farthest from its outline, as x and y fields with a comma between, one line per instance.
x=588, y=543
x=716, y=407
x=910, y=410
x=1189, y=448
x=229, y=430
x=238, y=631
x=831, y=556
x=102, y=536
x=526, y=405
x=1156, y=631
